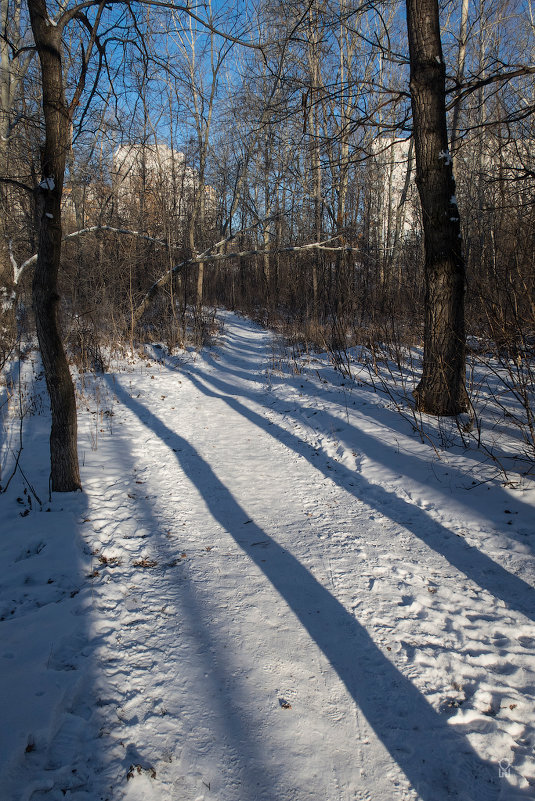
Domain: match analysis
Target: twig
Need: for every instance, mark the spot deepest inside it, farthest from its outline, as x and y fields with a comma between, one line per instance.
x=21, y=419
x=32, y=490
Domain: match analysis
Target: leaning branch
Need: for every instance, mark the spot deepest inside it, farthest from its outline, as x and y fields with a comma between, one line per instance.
x=465, y=89
x=128, y=232
x=210, y=256
x=207, y=255
x=94, y=229
x=113, y=230
x=244, y=254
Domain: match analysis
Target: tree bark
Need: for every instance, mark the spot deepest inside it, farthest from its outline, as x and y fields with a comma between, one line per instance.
x=315, y=149
x=65, y=474
x=15, y=59
x=441, y=390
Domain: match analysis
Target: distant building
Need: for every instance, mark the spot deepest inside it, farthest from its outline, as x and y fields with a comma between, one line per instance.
x=146, y=186
x=154, y=175
x=158, y=173
x=395, y=198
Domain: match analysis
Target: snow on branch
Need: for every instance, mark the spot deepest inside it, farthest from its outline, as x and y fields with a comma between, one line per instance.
x=205, y=256
x=93, y=229
x=113, y=230
x=209, y=255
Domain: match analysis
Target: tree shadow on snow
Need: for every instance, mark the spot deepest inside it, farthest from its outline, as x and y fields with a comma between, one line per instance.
x=440, y=763
x=477, y=566
x=218, y=719
x=242, y=363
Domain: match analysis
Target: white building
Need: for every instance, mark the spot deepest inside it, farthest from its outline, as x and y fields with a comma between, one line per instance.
x=396, y=204
x=155, y=173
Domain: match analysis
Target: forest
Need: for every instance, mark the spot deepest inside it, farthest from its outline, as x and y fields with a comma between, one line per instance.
x=347, y=173
x=267, y=400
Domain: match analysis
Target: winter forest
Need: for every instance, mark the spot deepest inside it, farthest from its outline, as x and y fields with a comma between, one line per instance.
x=267, y=400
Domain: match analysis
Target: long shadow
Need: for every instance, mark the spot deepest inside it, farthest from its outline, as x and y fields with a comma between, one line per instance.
x=247, y=765
x=45, y=635
x=440, y=763
x=477, y=566
x=239, y=364
x=382, y=451
x=387, y=417
x=239, y=367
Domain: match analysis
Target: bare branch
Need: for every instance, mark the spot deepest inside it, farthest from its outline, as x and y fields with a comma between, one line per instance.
x=16, y=183
x=68, y=15
x=209, y=256
x=95, y=229
x=498, y=77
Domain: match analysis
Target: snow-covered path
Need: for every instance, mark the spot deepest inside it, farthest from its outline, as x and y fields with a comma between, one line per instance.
x=268, y=610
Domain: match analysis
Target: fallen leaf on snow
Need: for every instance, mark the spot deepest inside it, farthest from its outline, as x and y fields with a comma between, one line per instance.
x=139, y=769
x=145, y=563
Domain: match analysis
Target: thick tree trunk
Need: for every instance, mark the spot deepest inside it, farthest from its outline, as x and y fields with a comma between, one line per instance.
x=441, y=390
x=65, y=475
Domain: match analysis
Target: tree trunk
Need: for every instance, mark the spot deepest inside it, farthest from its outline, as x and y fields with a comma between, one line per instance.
x=65, y=474
x=441, y=390
x=315, y=149
x=14, y=63
x=461, y=62
x=8, y=327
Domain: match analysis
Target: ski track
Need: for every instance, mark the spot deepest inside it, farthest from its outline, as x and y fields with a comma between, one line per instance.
x=251, y=621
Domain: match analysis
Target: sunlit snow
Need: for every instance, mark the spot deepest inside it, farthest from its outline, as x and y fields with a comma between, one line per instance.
x=270, y=589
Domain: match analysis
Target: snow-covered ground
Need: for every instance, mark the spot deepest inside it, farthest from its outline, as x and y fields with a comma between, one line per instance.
x=270, y=589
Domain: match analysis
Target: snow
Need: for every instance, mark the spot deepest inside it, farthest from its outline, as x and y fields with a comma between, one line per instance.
x=8, y=299
x=270, y=588
x=47, y=183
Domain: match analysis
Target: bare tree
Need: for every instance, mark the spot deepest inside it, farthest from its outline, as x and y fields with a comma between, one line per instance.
x=441, y=390
x=201, y=57
x=58, y=114
x=16, y=52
